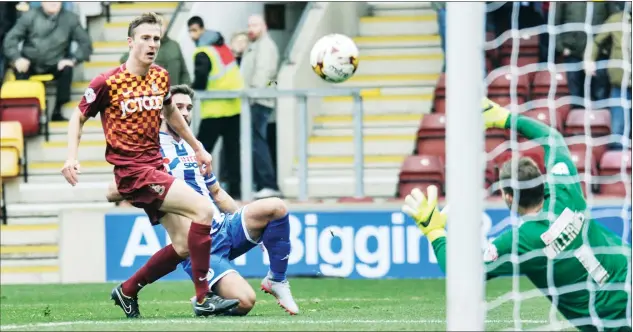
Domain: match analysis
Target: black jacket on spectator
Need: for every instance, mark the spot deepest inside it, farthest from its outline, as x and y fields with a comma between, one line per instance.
x=47, y=39
x=575, y=12
x=8, y=16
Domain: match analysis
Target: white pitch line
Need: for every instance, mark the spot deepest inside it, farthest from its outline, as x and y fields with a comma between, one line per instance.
x=244, y=321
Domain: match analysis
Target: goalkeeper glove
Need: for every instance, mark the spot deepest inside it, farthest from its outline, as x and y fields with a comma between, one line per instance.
x=495, y=116
x=424, y=212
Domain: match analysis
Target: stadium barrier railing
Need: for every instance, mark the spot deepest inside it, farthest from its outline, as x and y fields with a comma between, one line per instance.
x=301, y=97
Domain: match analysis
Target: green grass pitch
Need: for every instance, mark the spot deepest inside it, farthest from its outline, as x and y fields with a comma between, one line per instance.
x=325, y=304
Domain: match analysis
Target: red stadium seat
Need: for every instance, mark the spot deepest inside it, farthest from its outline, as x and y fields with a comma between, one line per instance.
x=440, y=88
x=439, y=105
x=501, y=85
x=491, y=174
x=599, y=122
x=544, y=115
x=506, y=100
x=542, y=83
x=521, y=61
x=562, y=110
x=531, y=150
x=355, y=200
x=612, y=180
x=24, y=110
x=577, y=143
x=527, y=45
x=493, y=53
x=431, y=135
x=580, y=158
x=420, y=171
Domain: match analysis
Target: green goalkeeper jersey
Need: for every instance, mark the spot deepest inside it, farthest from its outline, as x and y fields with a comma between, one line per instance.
x=561, y=248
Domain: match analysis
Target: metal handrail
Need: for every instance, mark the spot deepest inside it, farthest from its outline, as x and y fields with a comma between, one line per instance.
x=246, y=165
x=295, y=34
x=173, y=17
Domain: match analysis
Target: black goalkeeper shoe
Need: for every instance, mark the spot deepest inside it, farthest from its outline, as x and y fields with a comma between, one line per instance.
x=212, y=305
x=128, y=304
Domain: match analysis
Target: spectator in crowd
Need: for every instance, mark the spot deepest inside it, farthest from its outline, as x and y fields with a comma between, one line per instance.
x=8, y=16
x=572, y=45
x=170, y=57
x=259, y=65
x=199, y=34
x=47, y=33
x=215, y=69
x=239, y=44
x=619, y=49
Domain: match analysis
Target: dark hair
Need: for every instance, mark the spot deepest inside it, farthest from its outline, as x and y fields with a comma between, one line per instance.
x=145, y=18
x=195, y=20
x=182, y=89
x=530, y=195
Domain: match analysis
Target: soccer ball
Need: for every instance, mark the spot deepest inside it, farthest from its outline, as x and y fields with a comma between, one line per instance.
x=334, y=58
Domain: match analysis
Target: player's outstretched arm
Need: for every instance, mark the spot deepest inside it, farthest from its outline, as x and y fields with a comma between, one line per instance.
x=75, y=128
x=222, y=199
x=549, y=138
x=423, y=210
x=179, y=124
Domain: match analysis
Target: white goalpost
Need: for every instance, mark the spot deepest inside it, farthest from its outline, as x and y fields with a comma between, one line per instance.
x=464, y=165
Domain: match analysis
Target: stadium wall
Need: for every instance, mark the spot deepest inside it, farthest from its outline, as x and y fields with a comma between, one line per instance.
x=350, y=241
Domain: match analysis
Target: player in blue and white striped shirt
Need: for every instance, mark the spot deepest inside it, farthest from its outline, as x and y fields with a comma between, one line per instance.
x=235, y=230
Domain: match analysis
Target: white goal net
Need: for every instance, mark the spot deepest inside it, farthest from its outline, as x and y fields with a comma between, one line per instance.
x=566, y=64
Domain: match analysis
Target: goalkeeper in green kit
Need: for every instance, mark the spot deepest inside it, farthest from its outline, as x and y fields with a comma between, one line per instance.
x=555, y=228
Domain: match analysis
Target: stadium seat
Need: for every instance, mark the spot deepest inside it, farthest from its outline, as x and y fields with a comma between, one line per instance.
x=506, y=100
x=521, y=60
x=612, y=181
x=542, y=83
x=576, y=143
x=599, y=122
x=355, y=200
x=11, y=148
x=580, y=158
x=23, y=101
x=439, y=99
x=431, y=135
x=544, y=115
x=491, y=175
x=562, y=109
x=502, y=85
x=531, y=150
x=420, y=171
x=528, y=45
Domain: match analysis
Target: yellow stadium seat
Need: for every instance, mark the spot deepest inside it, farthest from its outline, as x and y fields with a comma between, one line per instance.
x=9, y=162
x=9, y=76
x=11, y=136
x=42, y=78
x=25, y=89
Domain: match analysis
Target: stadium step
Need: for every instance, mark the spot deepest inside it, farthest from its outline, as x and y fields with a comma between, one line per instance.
x=91, y=127
x=99, y=166
x=56, y=150
x=21, y=235
x=130, y=10
x=26, y=221
x=380, y=104
x=30, y=271
x=349, y=131
x=372, y=145
x=341, y=186
x=369, y=120
x=392, y=51
x=29, y=251
x=56, y=192
x=386, y=80
x=400, y=64
x=384, y=161
x=93, y=68
x=393, y=25
x=51, y=210
x=398, y=41
x=113, y=47
x=398, y=5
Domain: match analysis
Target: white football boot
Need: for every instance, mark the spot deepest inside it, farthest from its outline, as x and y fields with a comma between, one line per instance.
x=281, y=291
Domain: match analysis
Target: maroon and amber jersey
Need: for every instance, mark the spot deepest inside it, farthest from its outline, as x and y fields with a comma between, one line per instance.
x=130, y=108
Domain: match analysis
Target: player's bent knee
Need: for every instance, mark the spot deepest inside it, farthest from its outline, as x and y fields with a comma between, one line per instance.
x=204, y=215
x=279, y=208
x=247, y=301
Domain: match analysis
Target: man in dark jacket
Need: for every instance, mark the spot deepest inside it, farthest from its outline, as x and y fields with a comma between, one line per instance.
x=8, y=16
x=47, y=33
x=572, y=44
x=170, y=57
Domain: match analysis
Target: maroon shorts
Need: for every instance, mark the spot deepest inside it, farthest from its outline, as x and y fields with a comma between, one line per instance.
x=145, y=187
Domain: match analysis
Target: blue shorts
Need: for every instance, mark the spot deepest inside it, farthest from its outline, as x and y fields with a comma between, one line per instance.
x=229, y=241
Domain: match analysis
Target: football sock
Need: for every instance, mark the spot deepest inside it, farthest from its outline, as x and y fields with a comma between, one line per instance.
x=199, y=241
x=159, y=265
x=276, y=239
